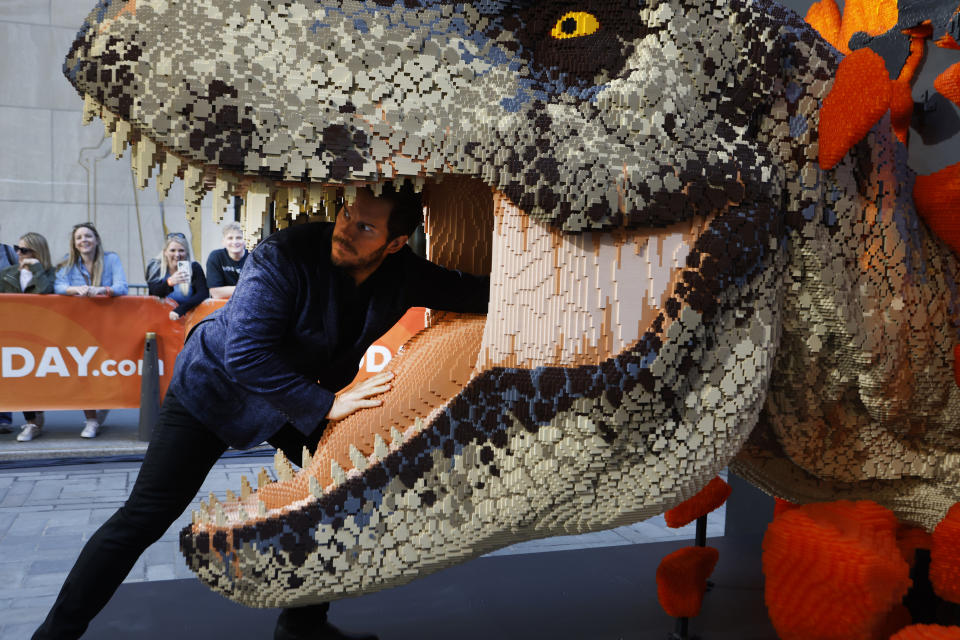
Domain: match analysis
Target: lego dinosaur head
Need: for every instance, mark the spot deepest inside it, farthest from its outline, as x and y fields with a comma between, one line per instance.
x=626, y=171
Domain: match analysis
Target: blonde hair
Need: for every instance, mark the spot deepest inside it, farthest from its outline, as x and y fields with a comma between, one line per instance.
x=231, y=226
x=38, y=243
x=74, y=257
x=181, y=240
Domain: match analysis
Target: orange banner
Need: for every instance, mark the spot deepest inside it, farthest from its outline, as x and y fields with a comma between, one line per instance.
x=63, y=352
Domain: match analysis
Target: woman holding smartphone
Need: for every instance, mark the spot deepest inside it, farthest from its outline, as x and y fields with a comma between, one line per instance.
x=180, y=279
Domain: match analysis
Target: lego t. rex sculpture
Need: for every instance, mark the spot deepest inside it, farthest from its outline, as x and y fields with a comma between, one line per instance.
x=677, y=285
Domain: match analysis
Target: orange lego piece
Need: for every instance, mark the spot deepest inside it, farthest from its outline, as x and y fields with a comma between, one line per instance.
x=824, y=16
x=682, y=580
x=909, y=539
x=936, y=197
x=709, y=498
x=833, y=571
x=928, y=632
x=860, y=96
x=947, y=83
x=945, y=556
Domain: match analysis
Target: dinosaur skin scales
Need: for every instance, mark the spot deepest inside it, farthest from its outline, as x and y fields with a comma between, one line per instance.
x=676, y=284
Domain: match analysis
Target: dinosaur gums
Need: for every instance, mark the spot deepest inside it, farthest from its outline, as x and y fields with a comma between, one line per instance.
x=677, y=284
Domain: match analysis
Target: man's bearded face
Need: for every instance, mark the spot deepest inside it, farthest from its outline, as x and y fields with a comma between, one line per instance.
x=360, y=236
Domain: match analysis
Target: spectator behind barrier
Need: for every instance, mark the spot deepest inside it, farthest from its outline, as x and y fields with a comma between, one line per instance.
x=33, y=273
x=224, y=265
x=7, y=258
x=173, y=281
x=90, y=271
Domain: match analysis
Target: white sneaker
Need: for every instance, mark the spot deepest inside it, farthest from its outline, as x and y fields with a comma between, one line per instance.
x=90, y=429
x=29, y=432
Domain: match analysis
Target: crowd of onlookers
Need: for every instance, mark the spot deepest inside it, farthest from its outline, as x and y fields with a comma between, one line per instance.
x=89, y=270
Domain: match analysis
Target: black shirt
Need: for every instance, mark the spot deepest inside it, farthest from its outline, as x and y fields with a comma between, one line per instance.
x=222, y=270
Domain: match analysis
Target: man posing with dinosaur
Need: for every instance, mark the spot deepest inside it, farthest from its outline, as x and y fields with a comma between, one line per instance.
x=310, y=300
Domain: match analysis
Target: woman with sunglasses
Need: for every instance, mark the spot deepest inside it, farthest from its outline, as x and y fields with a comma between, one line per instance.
x=33, y=273
x=186, y=288
x=90, y=271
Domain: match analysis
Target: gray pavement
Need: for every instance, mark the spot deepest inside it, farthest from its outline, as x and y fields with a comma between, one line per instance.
x=47, y=514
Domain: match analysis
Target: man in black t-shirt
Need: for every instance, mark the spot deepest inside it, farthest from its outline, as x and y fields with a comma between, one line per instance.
x=224, y=265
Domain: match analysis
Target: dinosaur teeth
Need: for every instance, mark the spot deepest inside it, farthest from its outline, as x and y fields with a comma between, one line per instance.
x=244, y=516
x=418, y=183
x=221, y=517
x=231, y=496
x=245, y=488
x=296, y=202
x=396, y=438
x=358, y=459
x=261, y=509
x=109, y=123
x=255, y=207
x=91, y=109
x=223, y=189
x=339, y=477
x=169, y=169
x=121, y=136
x=284, y=469
x=377, y=189
x=380, y=449
x=349, y=194
x=330, y=204
x=213, y=500
x=263, y=478
x=315, y=487
x=305, y=459
x=193, y=192
x=143, y=161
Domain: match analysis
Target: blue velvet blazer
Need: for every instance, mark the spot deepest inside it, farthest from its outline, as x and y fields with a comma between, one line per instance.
x=267, y=357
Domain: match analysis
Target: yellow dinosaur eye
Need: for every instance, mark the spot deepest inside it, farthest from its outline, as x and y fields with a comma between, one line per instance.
x=575, y=24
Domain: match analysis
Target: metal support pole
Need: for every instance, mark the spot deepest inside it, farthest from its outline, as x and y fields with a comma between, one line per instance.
x=149, y=388
x=701, y=539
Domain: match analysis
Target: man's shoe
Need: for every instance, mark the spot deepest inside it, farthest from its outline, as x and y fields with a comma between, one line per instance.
x=29, y=432
x=322, y=631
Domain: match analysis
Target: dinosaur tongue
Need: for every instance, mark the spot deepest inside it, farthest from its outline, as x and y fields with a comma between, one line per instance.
x=430, y=370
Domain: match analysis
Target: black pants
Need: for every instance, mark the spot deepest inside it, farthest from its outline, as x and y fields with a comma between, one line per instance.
x=180, y=455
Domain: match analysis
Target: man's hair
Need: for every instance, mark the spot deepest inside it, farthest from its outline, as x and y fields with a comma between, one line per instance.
x=231, y=226
x=407, y=211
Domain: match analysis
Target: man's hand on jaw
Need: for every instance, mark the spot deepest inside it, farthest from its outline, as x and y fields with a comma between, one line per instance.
x=360, y=396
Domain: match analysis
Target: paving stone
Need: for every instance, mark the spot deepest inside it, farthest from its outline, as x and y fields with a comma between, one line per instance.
x=51, y=566
x=45, y=580
x=19, y=631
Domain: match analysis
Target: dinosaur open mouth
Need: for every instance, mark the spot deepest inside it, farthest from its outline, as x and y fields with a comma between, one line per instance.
x=553, y=303
x=556, y=301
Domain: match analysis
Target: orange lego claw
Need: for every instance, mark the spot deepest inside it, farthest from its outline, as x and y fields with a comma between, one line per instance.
x=682, y=580
x=928, y=632
x=901, y=109
x=936, y=197
x=833, y=571
x=824, y=16
x=909, y=539
x=860, y=96
x=781, y=506
x=709, y=498
x=871, y=16
x=947, y=84
x=945, y=556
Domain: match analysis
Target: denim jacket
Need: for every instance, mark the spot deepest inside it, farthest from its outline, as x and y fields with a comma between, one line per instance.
x=76, y=275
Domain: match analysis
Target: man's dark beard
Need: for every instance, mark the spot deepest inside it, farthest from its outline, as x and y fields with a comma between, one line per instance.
x=358, y=263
